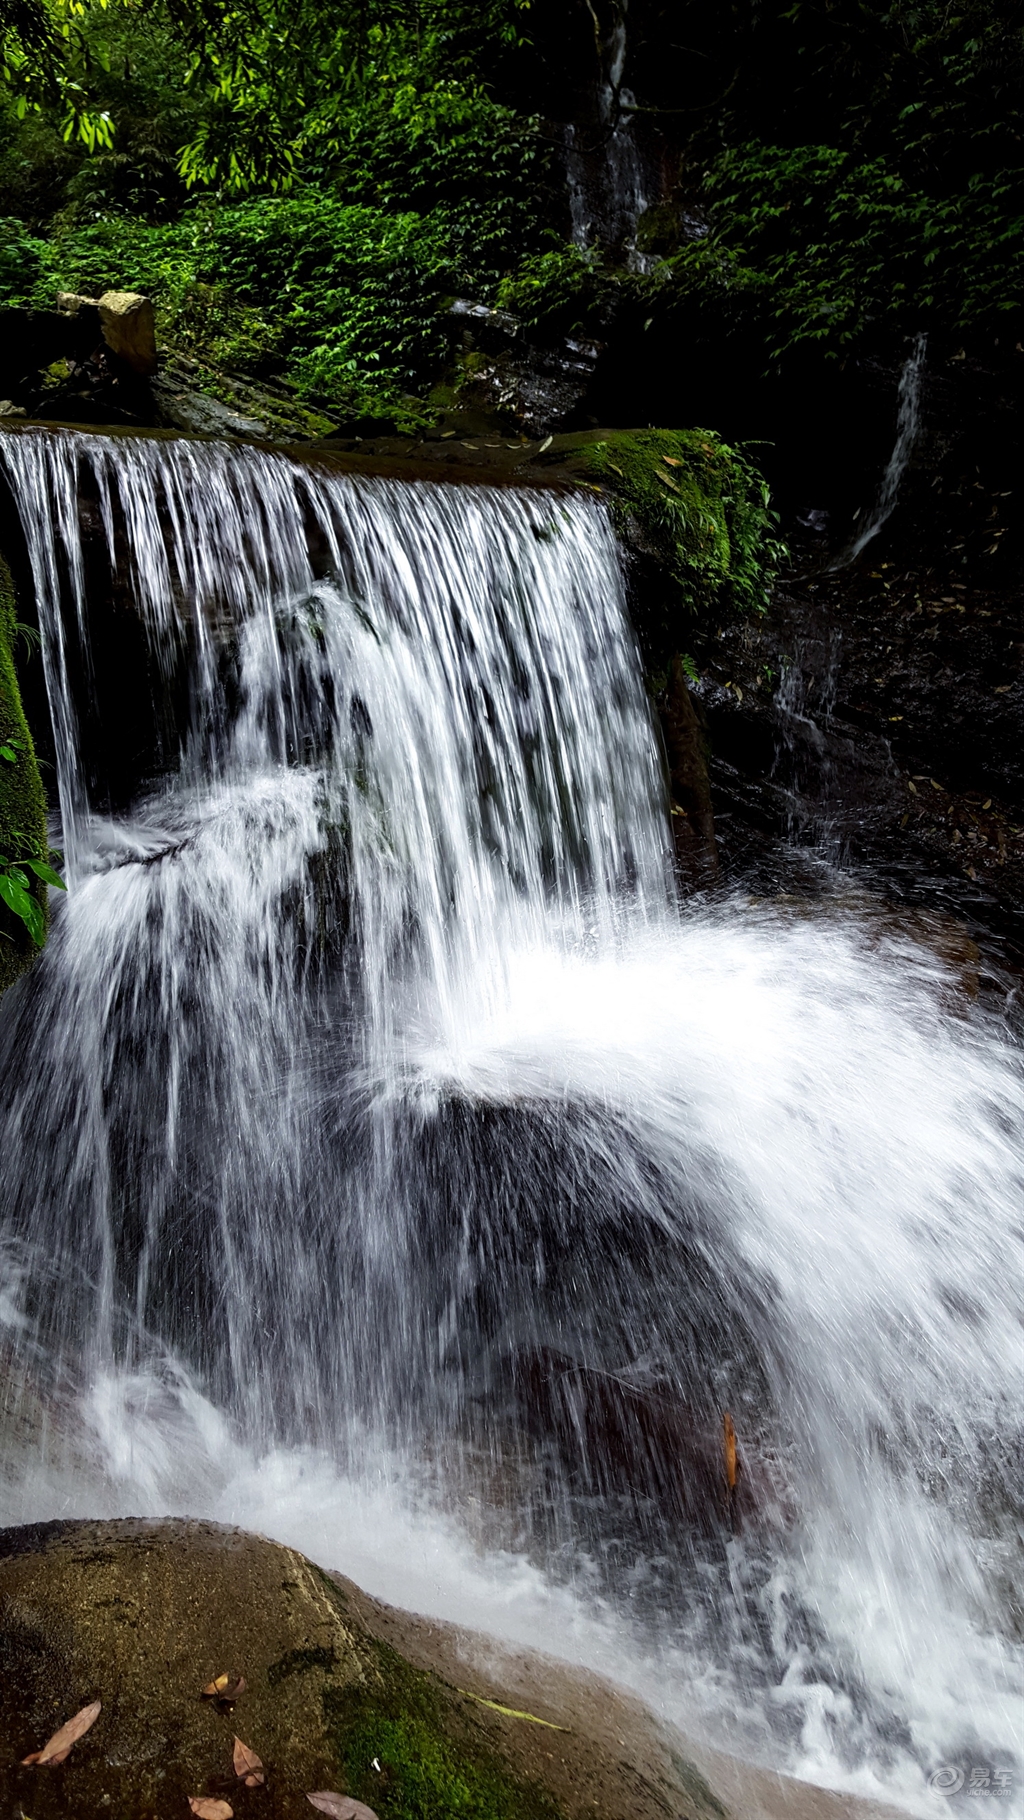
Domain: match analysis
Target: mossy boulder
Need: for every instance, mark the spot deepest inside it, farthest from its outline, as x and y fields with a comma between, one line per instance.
x=696, y=510
x=22, y=798
x=340, y=1694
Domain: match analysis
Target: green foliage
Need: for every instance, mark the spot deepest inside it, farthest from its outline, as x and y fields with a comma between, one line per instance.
x=46, y=60
x=24, y=859
x=834, y=249
x=290, y=78
x=357, y=290
x=22, y=261
x=700, y=508
x=563, y=291
x=392, y=180
x=345, y=299
x=862, y=173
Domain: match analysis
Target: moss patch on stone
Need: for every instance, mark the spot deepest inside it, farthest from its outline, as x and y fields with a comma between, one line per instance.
x=696, y=507
x=412, y=1750
x=22, y=798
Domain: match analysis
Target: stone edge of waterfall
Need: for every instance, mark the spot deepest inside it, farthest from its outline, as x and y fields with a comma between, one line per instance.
x=341, y=1691
x=385, y=458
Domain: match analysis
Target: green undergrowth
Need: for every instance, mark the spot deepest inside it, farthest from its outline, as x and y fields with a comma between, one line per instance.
x=22, y=806
x=699, y=510
x=342, y=301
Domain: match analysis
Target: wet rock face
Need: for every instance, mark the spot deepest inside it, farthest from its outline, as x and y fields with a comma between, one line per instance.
x=875, y=716
x=143, y=1616
x=535, y=388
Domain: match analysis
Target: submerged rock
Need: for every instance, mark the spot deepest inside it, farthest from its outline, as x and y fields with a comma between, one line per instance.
x=340, y=1693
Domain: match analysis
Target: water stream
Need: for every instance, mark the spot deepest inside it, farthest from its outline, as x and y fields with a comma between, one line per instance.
x=908, y=430
x=391, y=1164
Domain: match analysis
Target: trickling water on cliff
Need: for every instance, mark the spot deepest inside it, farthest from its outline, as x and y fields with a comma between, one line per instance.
x=908, y=429
x=391, y=1165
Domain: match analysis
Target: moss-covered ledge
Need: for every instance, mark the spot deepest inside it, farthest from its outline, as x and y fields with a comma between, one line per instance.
x=22, y=798
x=694, y=515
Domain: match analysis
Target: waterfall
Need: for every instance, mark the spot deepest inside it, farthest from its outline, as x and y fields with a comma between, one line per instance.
x=908, y=425
x=605, y=179
x=392, y=1164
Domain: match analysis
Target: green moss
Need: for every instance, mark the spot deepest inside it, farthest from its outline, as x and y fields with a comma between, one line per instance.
x=698, y=508
x=432, y=1760
x=22, y=799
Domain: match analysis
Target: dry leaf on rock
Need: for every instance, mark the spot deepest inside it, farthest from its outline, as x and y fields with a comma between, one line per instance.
x=225, y=1689
x=205, y=1807
x=248, y=1767
x=340, y=1807
x=59, y=1746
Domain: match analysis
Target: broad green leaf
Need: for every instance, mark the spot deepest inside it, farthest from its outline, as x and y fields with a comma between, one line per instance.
x=46, y=873
x=17, y=899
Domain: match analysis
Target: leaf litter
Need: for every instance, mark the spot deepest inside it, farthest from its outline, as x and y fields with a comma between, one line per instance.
x=224, y=1690
x=59, y=1746
x=340, y=1807
x=248, y=1767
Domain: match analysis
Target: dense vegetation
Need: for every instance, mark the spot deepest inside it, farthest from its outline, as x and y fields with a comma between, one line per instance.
x=303, y=188
x=298, y=191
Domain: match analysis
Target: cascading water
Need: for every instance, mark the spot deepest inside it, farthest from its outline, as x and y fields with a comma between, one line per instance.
x=908, y=428
x=391, y=1164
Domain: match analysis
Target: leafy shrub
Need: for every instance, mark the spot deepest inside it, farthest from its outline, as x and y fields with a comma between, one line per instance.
x=345, y=298
x=560, y=292
x=22, y=260
x=838, y=248
x=357, y=290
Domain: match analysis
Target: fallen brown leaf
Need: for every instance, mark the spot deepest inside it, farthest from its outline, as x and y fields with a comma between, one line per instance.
x=225, y=1689
x=59, y=1746
x=729, y=1437
x=340, y=1807
x=205, y=1807
x=248, y=1767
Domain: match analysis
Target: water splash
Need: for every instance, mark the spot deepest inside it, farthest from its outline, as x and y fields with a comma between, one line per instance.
x=406, y=1152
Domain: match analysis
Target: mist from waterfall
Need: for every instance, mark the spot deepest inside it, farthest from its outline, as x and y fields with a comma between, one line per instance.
x=393, y=1165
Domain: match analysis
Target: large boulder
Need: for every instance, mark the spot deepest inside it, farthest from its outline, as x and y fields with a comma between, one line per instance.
x=340, y=1694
